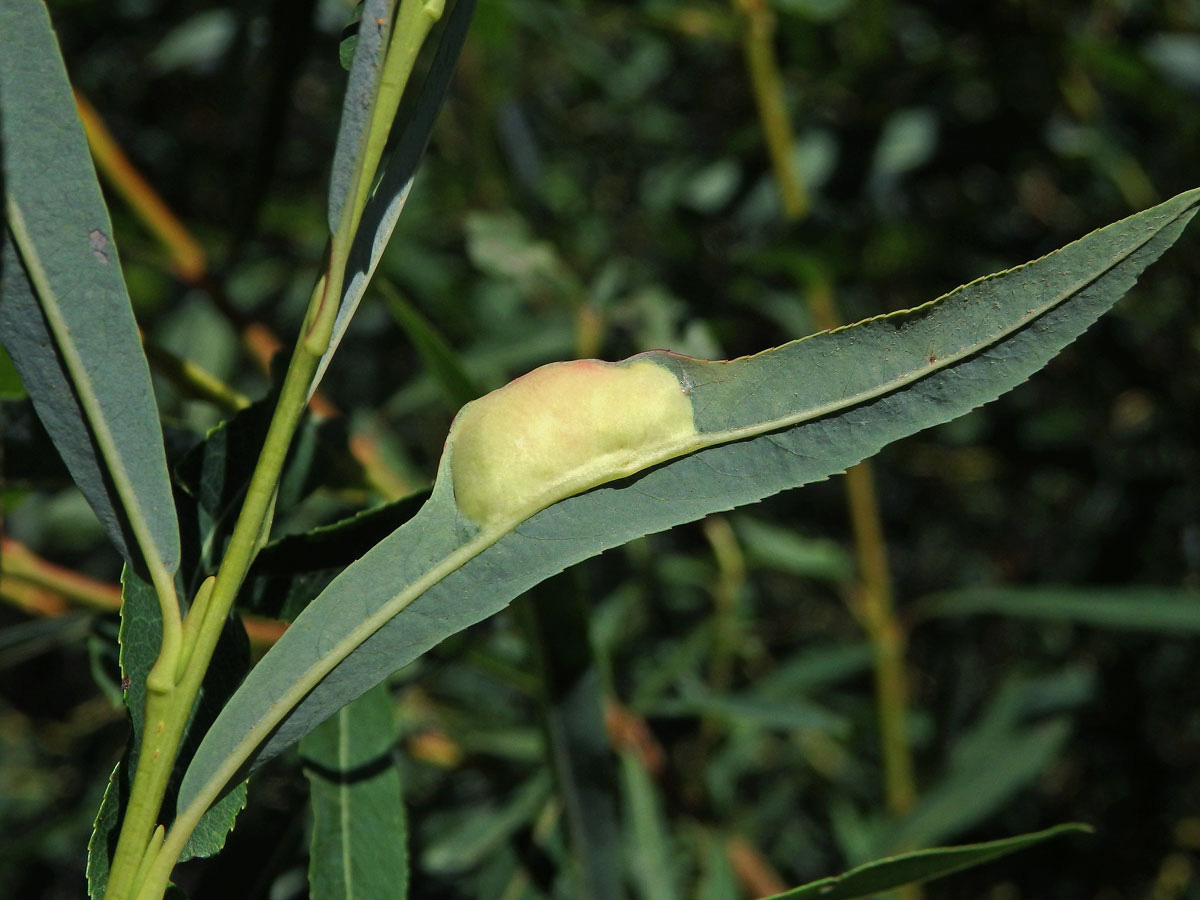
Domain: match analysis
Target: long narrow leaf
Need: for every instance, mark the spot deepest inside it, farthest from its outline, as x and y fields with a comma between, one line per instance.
x=650, y=851
x=577, y=744
x=759, y=425
x=924, y=865
x=1144, y=608
x=415, y=123
x=358, y=848
x=65, y=316
x=369, y=50
x=977, y=788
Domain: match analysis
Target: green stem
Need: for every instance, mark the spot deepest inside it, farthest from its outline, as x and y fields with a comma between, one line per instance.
x=887, y=636
x=188, y=818
x=727, y=593
x=142, y=863
x=169, y=700
x=413, y=22
x=758, y=46
x=875, y=606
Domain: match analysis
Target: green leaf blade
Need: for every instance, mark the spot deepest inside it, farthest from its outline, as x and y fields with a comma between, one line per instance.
x=358, y=847
x=787, y=417
x=412, y=128
x=65, y=314
x=649, y=849
x=370, y=48
x=924, y=865
x=1141, y=608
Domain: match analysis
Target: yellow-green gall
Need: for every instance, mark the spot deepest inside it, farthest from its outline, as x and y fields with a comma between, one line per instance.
x=562, y=429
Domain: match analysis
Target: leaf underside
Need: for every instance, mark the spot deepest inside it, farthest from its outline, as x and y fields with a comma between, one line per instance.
x=410, y=131
x=370, y=48
x=65, y=316
x=787, y=417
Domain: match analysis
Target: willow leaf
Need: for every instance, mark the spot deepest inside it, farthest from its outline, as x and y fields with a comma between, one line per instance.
x=374, y=27
x=1135, y=608
x=759, y=425
x=358, y=848
x=874, y=878
x=411, y=130
x=65, y=315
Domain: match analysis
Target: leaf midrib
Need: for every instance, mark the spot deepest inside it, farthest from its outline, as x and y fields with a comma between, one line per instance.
x=88, y=398
x=345, y=795
x=465, y=552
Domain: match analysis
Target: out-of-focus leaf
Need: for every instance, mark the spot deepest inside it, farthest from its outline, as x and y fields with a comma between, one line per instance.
x=816, y=10
x=648, y=846
x=1147, y=608
x=503, y=246
x=1177, y=56
x=25, y=640
x=440, y=359
x=713, y=186
x=65, y=316
x=764, y=423
x=969, y=794
x=756, y=712
x=577, y=743
x=814, y=669
x=923, y=865
x=909, y=138
x=197, y=42
x=554, y=339
x=717, y=878
x=999, y=756
x=358, y=846
x=10, y=382
x=785, y=551
x=478, y=835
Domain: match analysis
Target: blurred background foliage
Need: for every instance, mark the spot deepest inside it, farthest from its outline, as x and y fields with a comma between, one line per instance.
x=598, y=185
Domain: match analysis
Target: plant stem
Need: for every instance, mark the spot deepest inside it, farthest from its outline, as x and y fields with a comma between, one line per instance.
x=727, y=590
x=167, y=711
x=758, y=46
x=888, y=639
x=169, y=702
x=874, y=607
